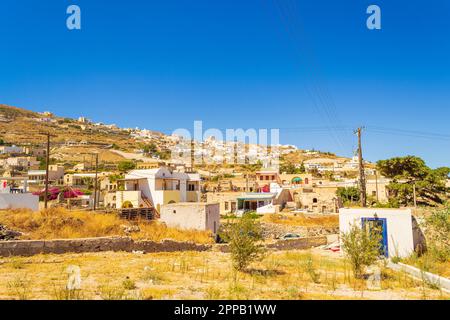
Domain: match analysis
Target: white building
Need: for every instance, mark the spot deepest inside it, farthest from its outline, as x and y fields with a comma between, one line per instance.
x=11, y=149
x=192, y=215
x=396, y=226
x=156, y=187
x=16, y=198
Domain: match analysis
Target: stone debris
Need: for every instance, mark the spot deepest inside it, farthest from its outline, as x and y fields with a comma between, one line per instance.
x=130, y=229
x=6, y=234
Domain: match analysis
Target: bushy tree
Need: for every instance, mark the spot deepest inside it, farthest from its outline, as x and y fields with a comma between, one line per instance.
x=290, y=168
x=244, y=237
x=126, y=165
x=408, y=171
x=361, y=247
x=350, y=194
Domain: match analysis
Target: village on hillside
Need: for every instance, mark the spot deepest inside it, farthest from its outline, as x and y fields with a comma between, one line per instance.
x=75, y=186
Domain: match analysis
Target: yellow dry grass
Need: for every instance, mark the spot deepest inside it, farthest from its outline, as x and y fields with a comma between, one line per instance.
x=302, y=220
x=199, y=275
x=58, y=223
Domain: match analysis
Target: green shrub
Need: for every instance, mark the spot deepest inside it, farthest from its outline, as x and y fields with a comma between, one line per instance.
x=361, y=247
x=244, y=238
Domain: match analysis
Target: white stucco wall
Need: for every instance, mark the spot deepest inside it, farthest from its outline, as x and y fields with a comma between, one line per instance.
x=197, y=216
x=399, y=227
x=19, y=201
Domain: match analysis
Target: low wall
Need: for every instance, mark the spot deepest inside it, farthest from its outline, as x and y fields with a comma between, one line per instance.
x=298, y=244
x=294, y=244
x=441, y=282
x=32, y=247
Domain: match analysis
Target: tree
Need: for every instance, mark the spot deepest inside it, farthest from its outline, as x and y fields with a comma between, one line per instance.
x=244, y=238
x=350, y=194
x=408, y=171
x=362, y=248
x=290, y=168
x=150, y=149
x=126, y=165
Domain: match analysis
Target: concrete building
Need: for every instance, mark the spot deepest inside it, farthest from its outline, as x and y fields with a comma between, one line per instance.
x=154, y=188
x=396, y=226
x=11, y=149
x=192, y=215
x=16, y=198
x=55, y=175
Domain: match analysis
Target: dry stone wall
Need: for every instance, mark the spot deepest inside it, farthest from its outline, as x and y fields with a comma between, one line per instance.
x=33, y=247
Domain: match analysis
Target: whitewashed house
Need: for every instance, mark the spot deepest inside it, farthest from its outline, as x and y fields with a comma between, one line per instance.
x=154, y=188
x=396, y=226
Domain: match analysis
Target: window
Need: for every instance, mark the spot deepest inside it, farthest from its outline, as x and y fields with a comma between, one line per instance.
x=374, y=193
x=314, y=200
x=306, y=181
x=261, y=177
x=226, y=205
x=267, y=177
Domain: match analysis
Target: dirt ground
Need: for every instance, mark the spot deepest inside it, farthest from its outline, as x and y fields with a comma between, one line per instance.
x=309, y=274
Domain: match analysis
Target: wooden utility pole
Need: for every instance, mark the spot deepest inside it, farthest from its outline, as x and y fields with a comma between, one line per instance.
x=376, y=184
x=95, y=182
x=47, y=162
x=362, y=178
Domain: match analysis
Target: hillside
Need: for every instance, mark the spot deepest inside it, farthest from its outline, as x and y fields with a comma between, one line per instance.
x=73, y=138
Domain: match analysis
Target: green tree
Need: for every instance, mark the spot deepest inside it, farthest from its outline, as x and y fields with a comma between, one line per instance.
x=290, y=168
x=361, y=247
x=408, y=171
x=348, y=195
x=244, y=237
x=150, y=148
x=126, y=165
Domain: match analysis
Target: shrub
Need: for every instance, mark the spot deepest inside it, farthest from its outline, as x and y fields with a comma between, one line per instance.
x=244, y=238
x=361, y=247
x=437, y=232
x=128, y=284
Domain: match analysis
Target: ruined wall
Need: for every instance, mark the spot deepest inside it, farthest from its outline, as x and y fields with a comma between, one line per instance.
x=32, y=247
x=294, y=244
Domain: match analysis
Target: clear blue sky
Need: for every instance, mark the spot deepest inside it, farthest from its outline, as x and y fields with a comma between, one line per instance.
x=285, y=64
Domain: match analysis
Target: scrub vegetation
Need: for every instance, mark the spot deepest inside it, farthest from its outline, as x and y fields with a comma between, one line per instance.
x=314, y=274
x=58, y=223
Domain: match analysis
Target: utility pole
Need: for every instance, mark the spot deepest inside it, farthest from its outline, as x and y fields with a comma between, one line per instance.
x=95, y=182
x=414, y=194
x=376, y=184
x=47, y=162
x=362, y=178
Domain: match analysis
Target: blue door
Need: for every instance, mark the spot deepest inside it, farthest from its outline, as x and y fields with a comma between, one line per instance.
x=378, y=225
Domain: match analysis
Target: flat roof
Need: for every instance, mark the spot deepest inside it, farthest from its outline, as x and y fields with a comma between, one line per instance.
x=188, y=204
x=256, y=196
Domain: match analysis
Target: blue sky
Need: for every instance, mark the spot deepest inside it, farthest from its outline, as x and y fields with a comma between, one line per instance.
x=310, y=68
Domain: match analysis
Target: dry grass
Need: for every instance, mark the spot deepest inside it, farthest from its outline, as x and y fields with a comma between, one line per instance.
x=302, y=220
x=199, y=275
x=57, y=223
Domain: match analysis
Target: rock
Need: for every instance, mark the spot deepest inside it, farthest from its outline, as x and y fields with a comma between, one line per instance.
x=6, y=234
x=130, y=229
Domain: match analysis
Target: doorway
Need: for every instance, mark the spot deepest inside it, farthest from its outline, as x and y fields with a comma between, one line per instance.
x=378, y=225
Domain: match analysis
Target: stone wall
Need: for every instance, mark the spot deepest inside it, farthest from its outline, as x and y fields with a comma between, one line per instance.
x=32, y=247
x=293, y=244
